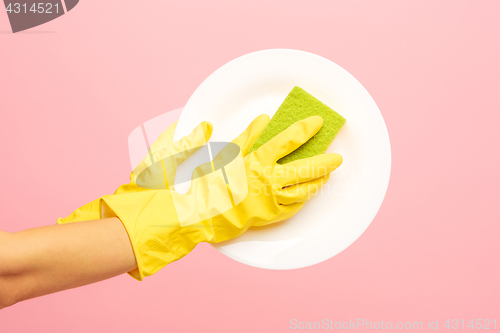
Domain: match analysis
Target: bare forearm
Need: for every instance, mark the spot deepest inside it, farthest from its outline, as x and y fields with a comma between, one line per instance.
x=45, y=260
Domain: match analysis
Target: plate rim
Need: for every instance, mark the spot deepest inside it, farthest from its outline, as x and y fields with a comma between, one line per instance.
x=388, y=167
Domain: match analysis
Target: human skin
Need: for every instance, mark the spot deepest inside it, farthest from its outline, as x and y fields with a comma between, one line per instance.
x=53, y=258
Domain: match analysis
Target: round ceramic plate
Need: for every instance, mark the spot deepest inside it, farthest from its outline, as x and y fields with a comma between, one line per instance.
x=257, y=83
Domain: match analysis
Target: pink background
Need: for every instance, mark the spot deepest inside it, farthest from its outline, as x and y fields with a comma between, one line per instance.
x=73, y=89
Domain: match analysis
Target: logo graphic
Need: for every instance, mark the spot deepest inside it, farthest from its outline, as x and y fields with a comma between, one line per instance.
x=26, y=14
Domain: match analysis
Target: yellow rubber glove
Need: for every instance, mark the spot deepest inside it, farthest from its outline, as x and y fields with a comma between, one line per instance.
x=163, y=146
x=164, y=226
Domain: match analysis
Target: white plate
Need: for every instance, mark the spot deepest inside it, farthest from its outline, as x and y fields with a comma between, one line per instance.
x=257, y=83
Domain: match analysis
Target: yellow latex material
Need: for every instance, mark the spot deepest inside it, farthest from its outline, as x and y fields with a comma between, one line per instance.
x=160, y=234
x=162, y=147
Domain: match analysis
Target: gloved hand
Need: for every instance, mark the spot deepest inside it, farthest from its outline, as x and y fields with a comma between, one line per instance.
x=146, y=172
x=252, y=190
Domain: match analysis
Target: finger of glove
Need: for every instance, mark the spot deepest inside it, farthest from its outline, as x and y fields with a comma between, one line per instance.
x=181, y=150
x=246, y=139
x=306, y=169
x=290, y=139
x=178, y=151
x=301, y=192
x=165, y=139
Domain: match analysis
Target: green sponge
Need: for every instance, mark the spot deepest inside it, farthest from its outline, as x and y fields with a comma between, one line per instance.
x=298, y=105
